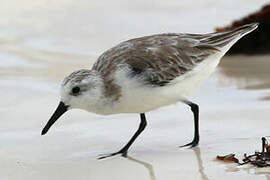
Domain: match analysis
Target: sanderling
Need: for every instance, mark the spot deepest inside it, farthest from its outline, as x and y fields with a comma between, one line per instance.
x=143, y=74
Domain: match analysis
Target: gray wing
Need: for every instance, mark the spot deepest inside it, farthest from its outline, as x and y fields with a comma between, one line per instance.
x=158, y=58
x=161, y=58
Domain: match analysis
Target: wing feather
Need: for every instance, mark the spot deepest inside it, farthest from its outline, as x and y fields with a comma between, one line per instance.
x=158, y=59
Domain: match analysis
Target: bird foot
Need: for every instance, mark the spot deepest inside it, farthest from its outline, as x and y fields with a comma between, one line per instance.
x=192, y=144
x=121, y=152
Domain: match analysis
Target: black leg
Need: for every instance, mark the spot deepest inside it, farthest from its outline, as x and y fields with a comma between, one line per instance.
x=195, y=109
x=124, y=150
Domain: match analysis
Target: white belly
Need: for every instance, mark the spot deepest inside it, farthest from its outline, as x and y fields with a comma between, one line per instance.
x=139, y=98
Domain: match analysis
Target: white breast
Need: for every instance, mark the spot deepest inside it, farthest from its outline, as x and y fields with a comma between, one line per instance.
x=138, y=97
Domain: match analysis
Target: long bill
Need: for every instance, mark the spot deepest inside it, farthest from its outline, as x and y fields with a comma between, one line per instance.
x=60, y=110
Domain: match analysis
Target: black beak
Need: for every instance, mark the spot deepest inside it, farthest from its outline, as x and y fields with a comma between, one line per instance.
x=61, y=109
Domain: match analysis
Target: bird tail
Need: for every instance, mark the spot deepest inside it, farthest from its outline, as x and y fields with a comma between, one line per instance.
x=226, y=39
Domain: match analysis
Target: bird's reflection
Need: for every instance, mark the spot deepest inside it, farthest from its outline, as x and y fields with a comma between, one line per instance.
x=200, y=163
x=201, y=168
x=147, y=165
x=150, y=168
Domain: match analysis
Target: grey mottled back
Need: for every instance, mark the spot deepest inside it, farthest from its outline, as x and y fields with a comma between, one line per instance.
x=163, y=57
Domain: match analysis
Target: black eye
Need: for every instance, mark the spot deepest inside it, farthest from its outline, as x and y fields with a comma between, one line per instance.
x=75, y=90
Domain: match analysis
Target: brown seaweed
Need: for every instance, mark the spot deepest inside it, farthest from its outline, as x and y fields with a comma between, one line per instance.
x=258, y=159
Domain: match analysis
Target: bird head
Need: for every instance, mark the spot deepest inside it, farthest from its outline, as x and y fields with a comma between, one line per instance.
x=81, y=89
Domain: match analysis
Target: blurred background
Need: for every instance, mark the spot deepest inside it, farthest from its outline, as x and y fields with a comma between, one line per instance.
x=34, y=33
x=41, y=41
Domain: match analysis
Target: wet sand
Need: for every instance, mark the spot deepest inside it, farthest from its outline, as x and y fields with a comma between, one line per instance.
x=232, y=121
x=35, y=57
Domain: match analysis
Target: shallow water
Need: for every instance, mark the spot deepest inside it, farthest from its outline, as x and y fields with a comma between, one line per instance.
x=42, y=41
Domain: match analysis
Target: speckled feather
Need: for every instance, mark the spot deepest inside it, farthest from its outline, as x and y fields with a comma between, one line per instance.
x=163, y=57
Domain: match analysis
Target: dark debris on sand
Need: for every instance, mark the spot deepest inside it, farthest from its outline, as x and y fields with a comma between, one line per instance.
x=257, y=42
x=258, y=159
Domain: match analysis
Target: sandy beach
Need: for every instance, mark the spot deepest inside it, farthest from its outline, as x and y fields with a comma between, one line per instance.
x=42, y=42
